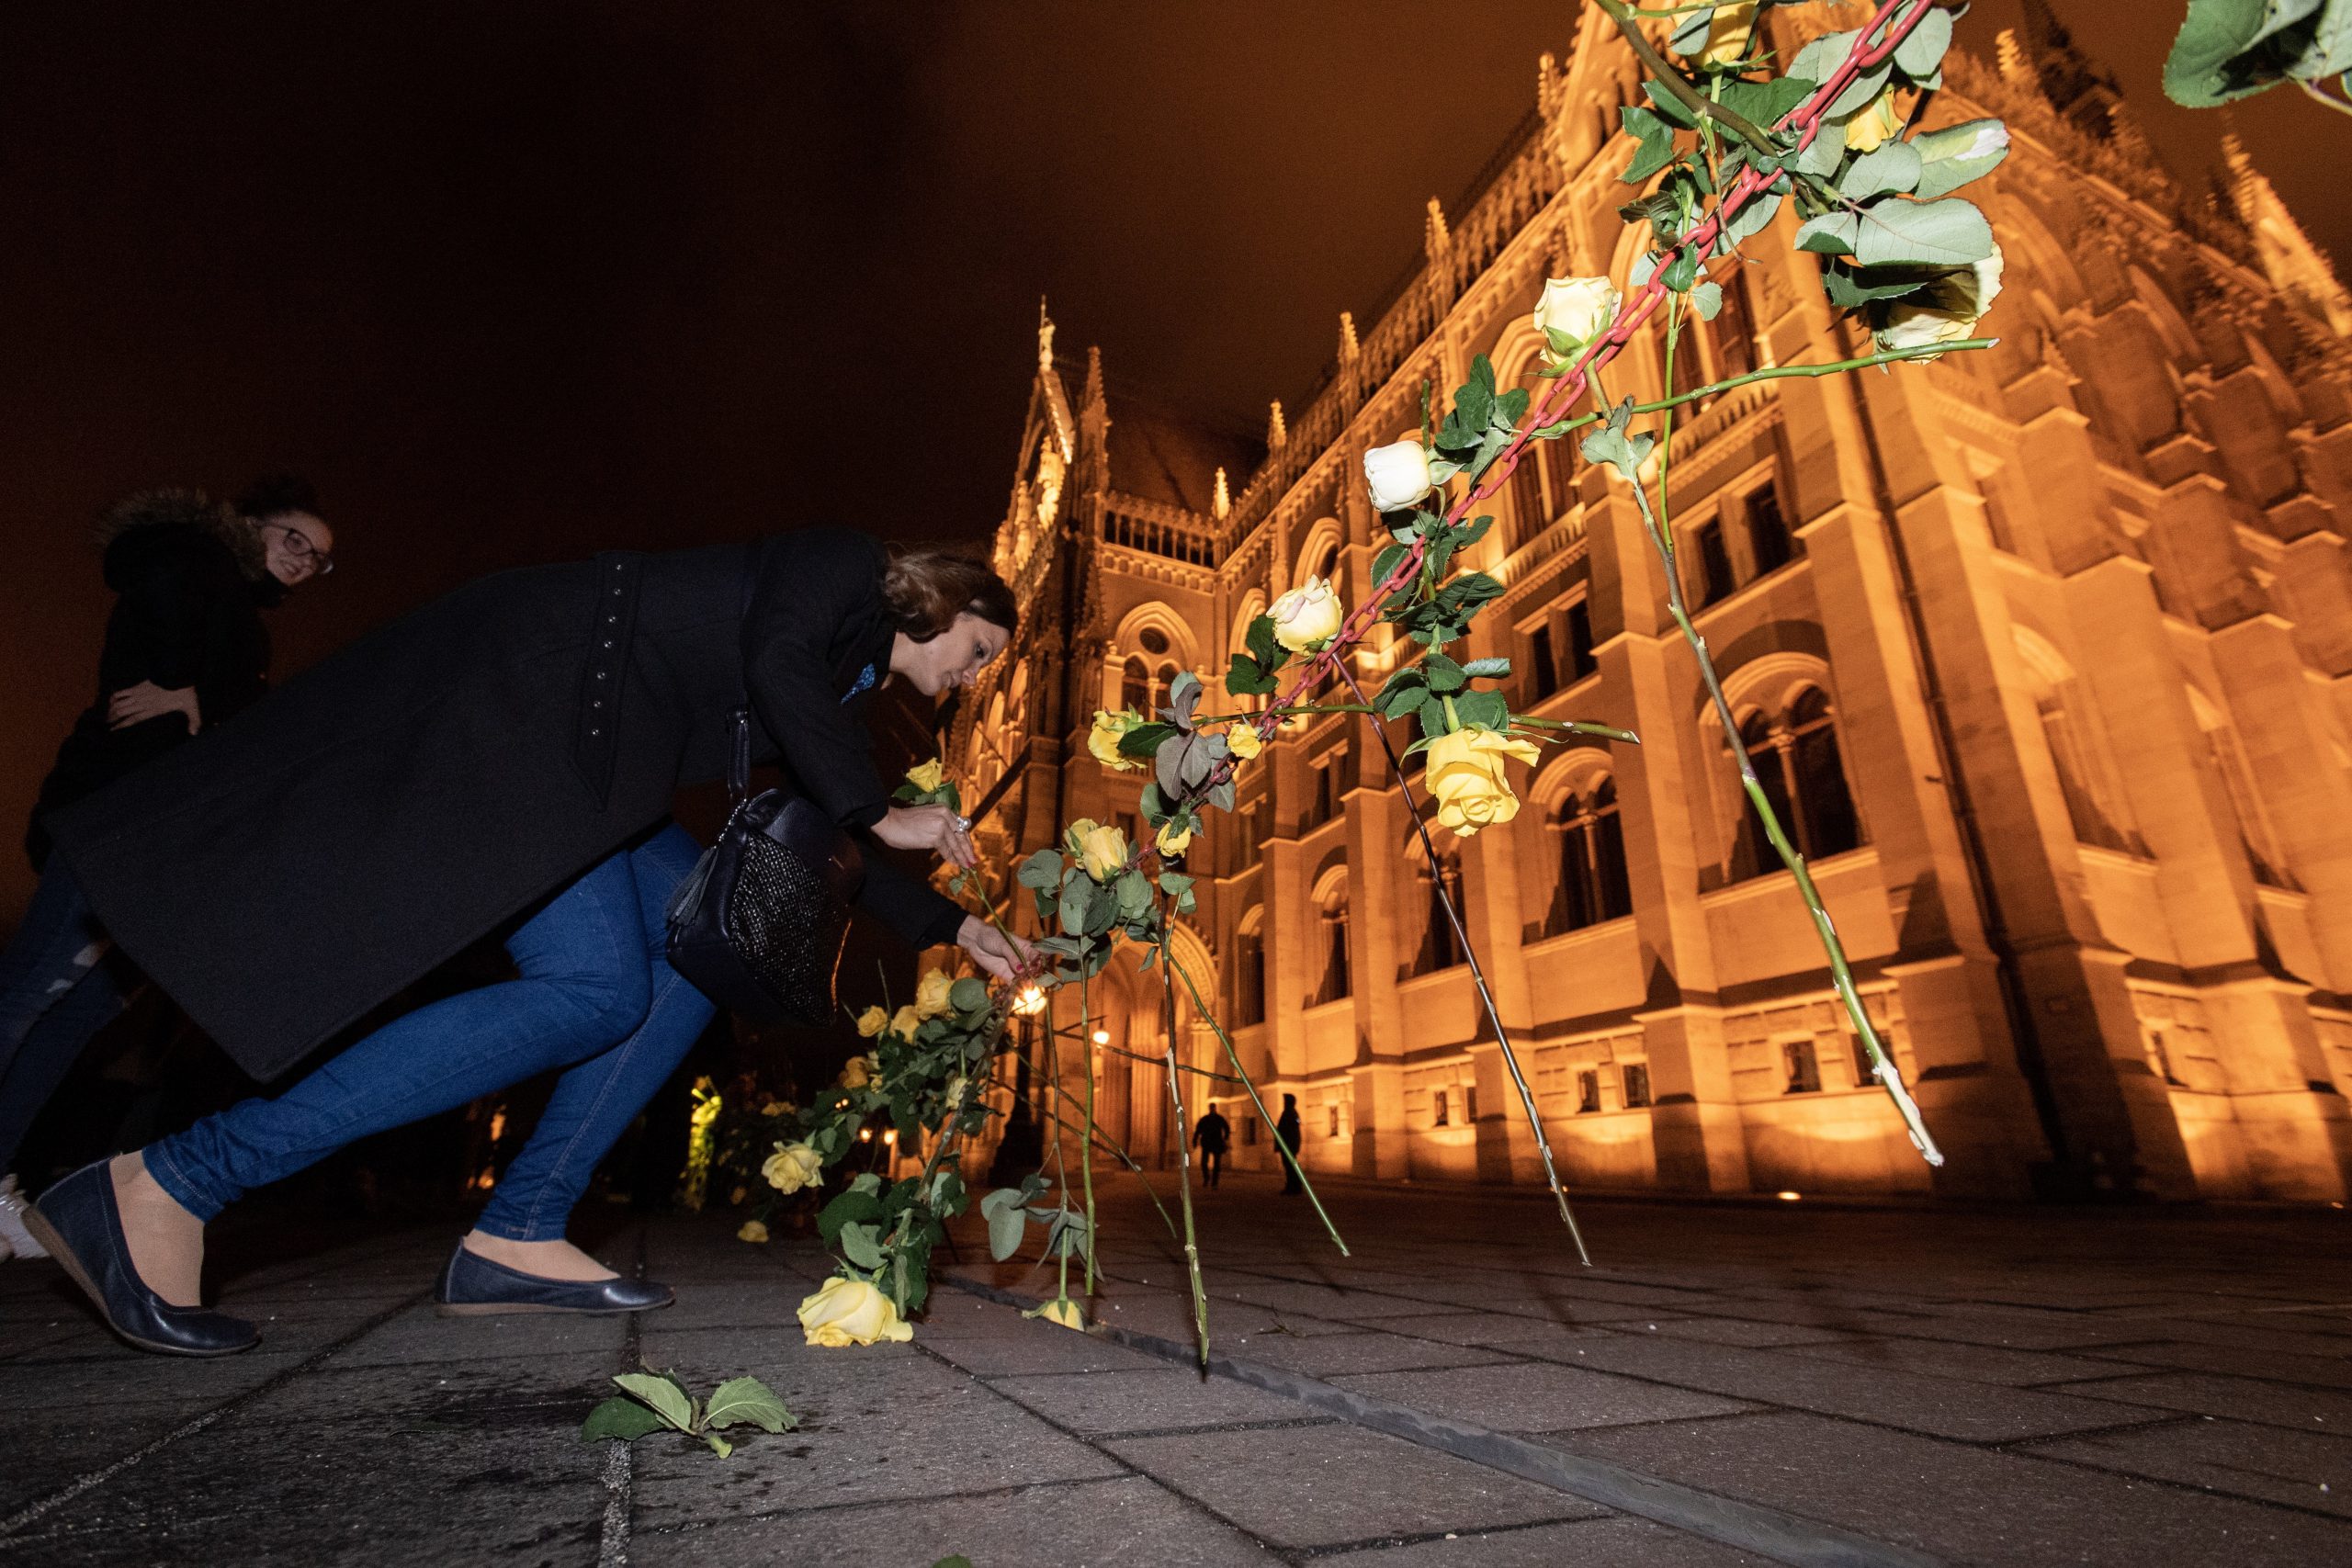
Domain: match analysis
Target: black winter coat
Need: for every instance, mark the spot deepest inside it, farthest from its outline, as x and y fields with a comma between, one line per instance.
x=189, y=591
x=410, y=795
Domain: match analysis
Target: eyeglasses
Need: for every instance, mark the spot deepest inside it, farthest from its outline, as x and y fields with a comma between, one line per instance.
x=300, y=545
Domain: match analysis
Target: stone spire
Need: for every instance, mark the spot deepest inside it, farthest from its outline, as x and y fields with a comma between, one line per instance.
x=1348, y=347
x=1435, y=236
x=1221, y=503
x=1044, y=336
x=1277, y=432
x=1547, y=71
x=2299, y=268
x=2009, y=57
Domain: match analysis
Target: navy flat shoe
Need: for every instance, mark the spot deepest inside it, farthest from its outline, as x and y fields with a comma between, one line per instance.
x=472, y=1286
x=79, y=1224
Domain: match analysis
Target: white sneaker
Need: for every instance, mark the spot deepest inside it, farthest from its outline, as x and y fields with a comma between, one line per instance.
x=16, y=1241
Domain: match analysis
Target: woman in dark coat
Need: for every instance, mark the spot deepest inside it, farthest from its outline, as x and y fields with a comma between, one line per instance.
x=186, y=650
x=508, y=750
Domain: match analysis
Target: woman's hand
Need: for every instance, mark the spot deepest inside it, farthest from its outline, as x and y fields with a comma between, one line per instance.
x=137, y=704
x=932, y=828
x=999, y=953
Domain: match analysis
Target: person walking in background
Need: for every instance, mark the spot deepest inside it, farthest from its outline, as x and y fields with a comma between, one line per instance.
x=1211, y=1135
x=1287, y=1140
x=186, y=650
x=506, y=754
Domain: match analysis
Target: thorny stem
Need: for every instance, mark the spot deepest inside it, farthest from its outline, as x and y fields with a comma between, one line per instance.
x=1479, y=978
x=1086, y=1166
x=1111, y=1146
x=1255, y=1098
x=1739, y=125
x=1881, y=1061
x=1183, y=1145
x=1780, y=372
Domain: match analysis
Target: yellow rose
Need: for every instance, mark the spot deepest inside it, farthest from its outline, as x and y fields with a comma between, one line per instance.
x=859, y=1070
x=1578, y=307
x=753, y=1231
x=1873, y=123
x=736, y=1196
x=1243, y=740
x=1103, y=739
x=1172, y=841
x=792, y=1167
x=1307, y=617
x=851, y=1311
x=1063, y=1311
x=1727, y=32
x=873, y=1021
x=929, y=776
x=955, y=1088
x=930, y=995
x=1466, y=777
x=904, y=1022
x=777, y=1108
x=1945, y=312
x=1102, y=850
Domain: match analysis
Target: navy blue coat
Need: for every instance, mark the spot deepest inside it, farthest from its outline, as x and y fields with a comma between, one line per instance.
x=410, y=795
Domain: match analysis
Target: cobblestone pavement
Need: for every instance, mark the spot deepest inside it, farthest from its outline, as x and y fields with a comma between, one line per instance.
x=1728, y=1384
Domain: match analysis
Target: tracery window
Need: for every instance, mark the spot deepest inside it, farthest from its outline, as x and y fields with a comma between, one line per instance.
x=1592, y=885
x=1803, y=773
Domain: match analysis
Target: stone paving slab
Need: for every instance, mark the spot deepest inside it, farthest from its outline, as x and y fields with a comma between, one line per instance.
x=1331, y=1355
x=1125, y=1520
x=1331, y=1485
x=1965, y=1503
x=2303, y=1409
x=2303, y=1470
x=1156, y=1400
x=1538, y=1398
x=1617, y=1542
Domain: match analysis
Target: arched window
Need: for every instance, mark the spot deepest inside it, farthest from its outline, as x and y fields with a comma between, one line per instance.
x=1332, y=912
x=1250, y=969
x=1804, y=776
x=1593, y=886
x=1327, y=561
x=1441, y=948
x=1161, y=679
x=1134, y=686
x=2237, y=784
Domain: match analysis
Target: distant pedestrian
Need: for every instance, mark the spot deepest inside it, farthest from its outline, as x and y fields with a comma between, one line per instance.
x=1287, y=1140
x=1212, y=1135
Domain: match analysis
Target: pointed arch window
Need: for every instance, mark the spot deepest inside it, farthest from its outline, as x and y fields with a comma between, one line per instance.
x=1333, y=913
x=1593, y=886
x=1441, y=948
x=1135, y=685
x=1250, y=969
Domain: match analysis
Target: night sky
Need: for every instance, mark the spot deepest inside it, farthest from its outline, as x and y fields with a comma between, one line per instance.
x=519, y=281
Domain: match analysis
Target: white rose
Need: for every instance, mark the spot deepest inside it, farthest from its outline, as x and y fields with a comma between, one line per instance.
x=1576, y=308
x=1945, y=312
x=1398, y=474
x=1307, y=616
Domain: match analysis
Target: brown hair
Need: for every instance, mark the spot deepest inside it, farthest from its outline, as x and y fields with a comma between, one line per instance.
x=927, y=587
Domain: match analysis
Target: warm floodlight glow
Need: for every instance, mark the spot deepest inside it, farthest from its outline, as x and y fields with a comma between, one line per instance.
x=891, y=1136
x=866, y=1135
x=1030, y=1003
x=1101, y=1037
x=1788, y=1197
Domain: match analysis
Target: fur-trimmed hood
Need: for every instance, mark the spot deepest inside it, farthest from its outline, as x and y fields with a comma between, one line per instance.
x=189, y=509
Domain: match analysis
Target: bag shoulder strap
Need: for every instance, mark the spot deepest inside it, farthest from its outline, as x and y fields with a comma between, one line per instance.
x=739, y=762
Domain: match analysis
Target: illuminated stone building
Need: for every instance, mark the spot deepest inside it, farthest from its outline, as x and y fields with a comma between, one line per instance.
x=2047, y=649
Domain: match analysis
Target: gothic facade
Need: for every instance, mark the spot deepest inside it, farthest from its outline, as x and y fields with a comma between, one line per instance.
x=2046, y=649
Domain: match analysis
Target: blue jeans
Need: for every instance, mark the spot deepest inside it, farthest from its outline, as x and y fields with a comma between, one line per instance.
x=598, y=996
x=57, y=989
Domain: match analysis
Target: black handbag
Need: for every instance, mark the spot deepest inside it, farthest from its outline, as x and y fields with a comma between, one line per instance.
x=758, y=924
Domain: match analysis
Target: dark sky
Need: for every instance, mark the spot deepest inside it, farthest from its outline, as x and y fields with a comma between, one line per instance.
x=522, y=280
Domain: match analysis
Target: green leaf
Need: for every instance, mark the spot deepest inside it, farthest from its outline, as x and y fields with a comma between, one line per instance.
x=674, y=1406
x=1442, y=673
x=1483, y=709
x=1848, y=290
x=1006, y=1227
x=1921, y=53
x=619, y=1417
x=1078, y=903
x=748, y=1401
x=1134, y=894
x=1822, y=154
x=1269, y=653
x=846, y=1207
x=1669, y=106
x=1951, y=157
x=967, y=995
x=1246, y=678
x=1143, y=742
x=1766, y=103
x=2231, y=48
x=1386, y=561
x=1707, y=300
x=1751, y=217
x=1488, y=667
x=1895, y=233
x=1656, y=149
x=1689, y=37
x=1892, y=166
x=862, y=1245
x=1831, y=233
x=1175, y=884
x=1041, y=870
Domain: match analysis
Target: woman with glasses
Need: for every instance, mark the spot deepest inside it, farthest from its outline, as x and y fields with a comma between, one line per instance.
x=502, y=760
x=184, y=650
